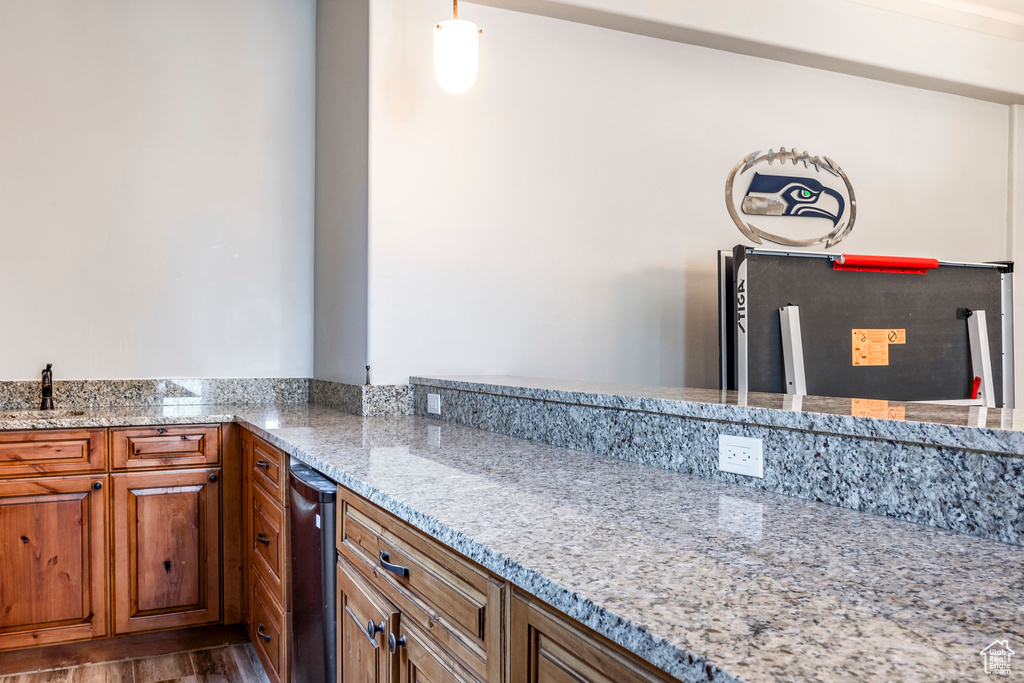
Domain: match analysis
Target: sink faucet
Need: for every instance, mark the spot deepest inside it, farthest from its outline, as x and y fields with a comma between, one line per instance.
x=47, y=403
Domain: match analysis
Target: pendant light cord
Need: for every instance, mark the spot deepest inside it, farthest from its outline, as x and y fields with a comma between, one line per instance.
x=455, y=9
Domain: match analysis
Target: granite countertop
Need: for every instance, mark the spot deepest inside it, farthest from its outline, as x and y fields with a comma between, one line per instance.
x=706, y=580
x=994, y=430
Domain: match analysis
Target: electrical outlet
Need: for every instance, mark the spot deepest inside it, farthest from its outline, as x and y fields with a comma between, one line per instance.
x=741, y=455
x=434, y=404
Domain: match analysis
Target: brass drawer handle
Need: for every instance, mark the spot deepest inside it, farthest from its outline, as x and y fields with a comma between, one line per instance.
x=261, y=538
x=262, y=465
x=262, y=635
x=396, y=569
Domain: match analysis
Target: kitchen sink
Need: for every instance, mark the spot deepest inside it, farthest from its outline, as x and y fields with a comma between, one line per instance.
x=41, y=414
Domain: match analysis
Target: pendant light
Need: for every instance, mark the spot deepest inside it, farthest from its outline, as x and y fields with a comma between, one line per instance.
x=456, y=53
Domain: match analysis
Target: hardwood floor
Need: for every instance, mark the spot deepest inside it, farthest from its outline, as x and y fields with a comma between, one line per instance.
x=226, y=664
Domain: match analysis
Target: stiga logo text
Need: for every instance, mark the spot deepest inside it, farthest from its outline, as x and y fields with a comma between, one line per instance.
x=801, y=201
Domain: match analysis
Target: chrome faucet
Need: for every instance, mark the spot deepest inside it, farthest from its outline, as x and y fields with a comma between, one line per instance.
x=47, y=403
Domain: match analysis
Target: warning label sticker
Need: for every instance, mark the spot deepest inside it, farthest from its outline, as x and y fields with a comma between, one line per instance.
x=871, y=347
x=866, y=407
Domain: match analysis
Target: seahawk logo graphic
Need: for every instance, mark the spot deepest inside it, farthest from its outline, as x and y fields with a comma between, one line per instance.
x=823, y=191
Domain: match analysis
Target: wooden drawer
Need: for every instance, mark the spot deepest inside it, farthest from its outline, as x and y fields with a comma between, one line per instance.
x=162, y=447
x=268, y=544
x=32, y=453
x=270, y=630
x=269, y=469
x=456, y=602
x=547, y=647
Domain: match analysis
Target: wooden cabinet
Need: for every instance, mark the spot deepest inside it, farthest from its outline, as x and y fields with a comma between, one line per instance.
x=458, y=604
x=53, y=560
x=365, y=622
x=548, y=647
x=87, y=554
x=166, y=549
x=265, y=529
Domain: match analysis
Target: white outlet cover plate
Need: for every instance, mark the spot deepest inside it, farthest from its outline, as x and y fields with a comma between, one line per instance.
x=434, y=404
x=741, y=455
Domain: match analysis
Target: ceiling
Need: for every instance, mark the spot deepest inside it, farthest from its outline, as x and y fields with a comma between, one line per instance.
x=1003, y=18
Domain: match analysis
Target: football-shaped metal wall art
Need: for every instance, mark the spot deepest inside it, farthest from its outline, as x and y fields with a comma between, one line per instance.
x=800, y=201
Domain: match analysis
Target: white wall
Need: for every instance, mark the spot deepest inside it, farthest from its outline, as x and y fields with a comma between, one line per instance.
x=342, y=175
x=156, y=188
x=562, y=218
x=1015, y=222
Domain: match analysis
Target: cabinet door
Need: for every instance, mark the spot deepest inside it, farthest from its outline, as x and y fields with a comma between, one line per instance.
x=166, y=549
x=53, y=560
x=550, y=648
x=363, y=656
x=421, y=660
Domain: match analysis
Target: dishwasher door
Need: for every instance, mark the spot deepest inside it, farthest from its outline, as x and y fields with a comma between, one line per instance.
x=311, y=521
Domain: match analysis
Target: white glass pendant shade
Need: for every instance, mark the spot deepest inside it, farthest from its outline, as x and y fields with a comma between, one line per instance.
x=456, y=55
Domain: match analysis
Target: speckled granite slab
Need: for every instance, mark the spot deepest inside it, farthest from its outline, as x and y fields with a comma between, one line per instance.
x=882, y=468
x=367, y=400
x=993, y=429
x=136, y=392
x=705, y=579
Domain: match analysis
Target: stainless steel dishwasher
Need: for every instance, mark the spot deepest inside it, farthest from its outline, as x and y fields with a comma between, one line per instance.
x=314, y=628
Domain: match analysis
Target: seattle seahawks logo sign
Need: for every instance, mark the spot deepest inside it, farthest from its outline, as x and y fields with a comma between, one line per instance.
x=801, y=201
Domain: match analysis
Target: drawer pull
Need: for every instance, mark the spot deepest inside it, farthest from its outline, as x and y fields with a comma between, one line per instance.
x=396, y=569
x=395, y=643
x=261, y=634
x=213, y=478
x=161, y=431
x=97, y=485
x=261, y=538
x=373, y=629
x=262, y=465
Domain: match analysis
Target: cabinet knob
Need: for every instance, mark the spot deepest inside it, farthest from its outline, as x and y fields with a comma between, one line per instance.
x=373, y=629
x=262, y=465
x=213, y=478
x=261, y=538
x=262, y=635
x=97, y=485
x=161, y=431
x=395, y=643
